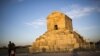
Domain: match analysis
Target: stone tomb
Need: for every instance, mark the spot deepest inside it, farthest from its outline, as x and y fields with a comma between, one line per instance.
x=59, y=36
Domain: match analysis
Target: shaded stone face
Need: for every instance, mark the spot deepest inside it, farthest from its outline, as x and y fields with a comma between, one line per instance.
x=59, y=35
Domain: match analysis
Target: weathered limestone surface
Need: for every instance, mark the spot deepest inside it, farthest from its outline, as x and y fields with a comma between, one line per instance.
x=59, y=35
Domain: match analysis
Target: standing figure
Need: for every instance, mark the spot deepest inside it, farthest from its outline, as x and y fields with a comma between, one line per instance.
x=11, y=49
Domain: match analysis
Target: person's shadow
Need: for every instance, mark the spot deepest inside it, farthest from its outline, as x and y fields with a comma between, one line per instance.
x=74, y=53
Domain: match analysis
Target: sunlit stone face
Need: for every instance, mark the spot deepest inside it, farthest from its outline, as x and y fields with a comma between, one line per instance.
x=59, y=19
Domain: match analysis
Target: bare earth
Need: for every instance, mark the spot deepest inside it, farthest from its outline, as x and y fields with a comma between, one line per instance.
x=24, y=52
x=59, y=54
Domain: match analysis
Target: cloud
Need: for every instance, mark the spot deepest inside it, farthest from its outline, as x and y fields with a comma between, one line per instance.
x=98, y=9
x=88, y=28
x=17, y=0
x=37, y=22
x=76, y=11
x=20, y=0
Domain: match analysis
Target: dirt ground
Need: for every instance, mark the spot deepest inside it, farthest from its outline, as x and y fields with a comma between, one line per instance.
x=24, y=52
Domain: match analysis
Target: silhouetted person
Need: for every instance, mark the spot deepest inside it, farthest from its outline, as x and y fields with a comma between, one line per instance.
x=11, y=49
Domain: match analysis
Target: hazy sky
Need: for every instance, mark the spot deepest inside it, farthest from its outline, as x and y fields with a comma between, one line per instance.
x=22, y=21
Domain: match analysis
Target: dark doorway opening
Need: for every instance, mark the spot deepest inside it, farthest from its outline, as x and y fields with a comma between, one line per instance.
x=43, y=49
x=56, y=27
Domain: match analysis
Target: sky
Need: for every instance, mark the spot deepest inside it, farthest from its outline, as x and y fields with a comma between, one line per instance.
x=22, y=21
